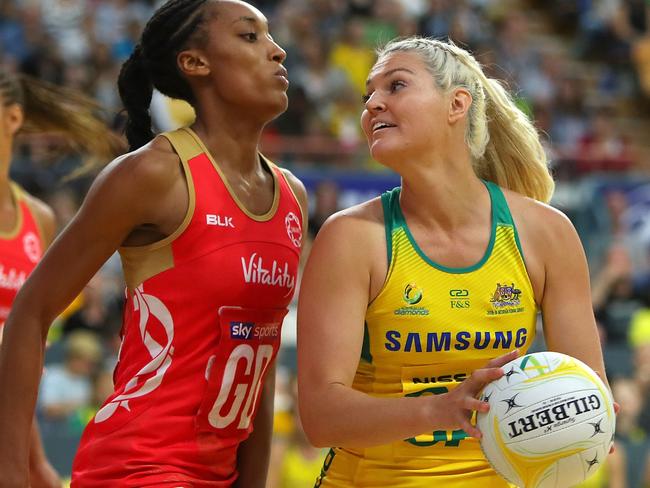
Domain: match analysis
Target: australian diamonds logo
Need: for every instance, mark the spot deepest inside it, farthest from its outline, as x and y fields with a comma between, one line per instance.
x=505, y=299
x=412, y=296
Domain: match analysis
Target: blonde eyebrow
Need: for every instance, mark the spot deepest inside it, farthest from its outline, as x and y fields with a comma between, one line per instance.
x=390, y=72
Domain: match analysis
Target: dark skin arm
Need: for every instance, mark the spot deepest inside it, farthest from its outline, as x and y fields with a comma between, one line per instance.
x=140, y=190
x=41, y=473
x=253, y=454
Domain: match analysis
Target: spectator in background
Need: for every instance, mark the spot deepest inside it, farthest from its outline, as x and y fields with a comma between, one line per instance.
x=65, y=204
x=67, y=388
x=383, y=24
x=603, y=147
x=301, y=462
x=113, y=20
x=321, y=82
x=627, y=466
x=614, y=296
x=344, y=120
x=616, y=301
x=438, y=19
x=13, y=39
x=568, y=124
x=517, y=51
x=326, y=203
x=66, y=23
x=351, y=55
x=95, y=311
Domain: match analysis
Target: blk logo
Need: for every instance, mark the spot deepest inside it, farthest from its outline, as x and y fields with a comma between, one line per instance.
x=219, y=220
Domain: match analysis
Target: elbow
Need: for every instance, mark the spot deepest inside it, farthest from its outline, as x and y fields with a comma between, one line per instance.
x=30, y=311
x=317, y=436
x=315, y=426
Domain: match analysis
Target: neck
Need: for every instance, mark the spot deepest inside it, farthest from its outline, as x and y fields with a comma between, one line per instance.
x=232, y=141
x=5, y=189
x=6, y=197
x=445, y=195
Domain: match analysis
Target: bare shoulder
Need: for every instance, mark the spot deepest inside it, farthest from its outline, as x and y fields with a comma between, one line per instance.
x=298, y=189
x=44, y=216
x=153, y=165
x=358, y=219
x=357, y=230
x=145, y=187
x=352, y=244
x=539, y=222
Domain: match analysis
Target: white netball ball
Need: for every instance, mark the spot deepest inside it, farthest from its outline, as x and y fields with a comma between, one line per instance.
x=551, y=421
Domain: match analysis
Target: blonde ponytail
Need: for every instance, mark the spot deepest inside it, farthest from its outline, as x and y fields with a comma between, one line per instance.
x=504, y=144
x=514, y=157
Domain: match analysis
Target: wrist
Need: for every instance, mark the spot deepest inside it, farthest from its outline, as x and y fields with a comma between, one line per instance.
x=429, y=410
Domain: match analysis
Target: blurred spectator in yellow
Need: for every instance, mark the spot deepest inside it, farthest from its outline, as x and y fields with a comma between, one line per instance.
x=295, y=463
x=344, y=119
x=350, y=54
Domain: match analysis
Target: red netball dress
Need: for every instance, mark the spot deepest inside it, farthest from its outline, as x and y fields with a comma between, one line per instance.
x=201, y=328
x=20, y=251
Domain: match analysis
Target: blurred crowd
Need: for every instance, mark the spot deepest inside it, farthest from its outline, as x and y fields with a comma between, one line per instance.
x=579, y=68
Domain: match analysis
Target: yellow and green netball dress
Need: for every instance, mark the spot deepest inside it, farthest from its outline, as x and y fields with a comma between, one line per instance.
x=427, y=330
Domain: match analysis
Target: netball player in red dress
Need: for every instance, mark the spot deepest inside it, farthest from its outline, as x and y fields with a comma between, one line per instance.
x=210, y=233
x=27, y=225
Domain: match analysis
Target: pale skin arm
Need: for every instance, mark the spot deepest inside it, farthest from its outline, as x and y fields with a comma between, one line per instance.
x=334, y=296
x=616, y=463
x=558, y=268
x=569, y=323
x=113, y=208
x=253, y=454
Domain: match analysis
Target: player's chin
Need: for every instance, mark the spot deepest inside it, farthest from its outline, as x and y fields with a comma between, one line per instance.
x=279, y=101
x=284, y=100
x=384, y=153
x=273, y=107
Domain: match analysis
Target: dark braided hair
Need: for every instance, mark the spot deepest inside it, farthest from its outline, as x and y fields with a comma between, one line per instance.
x=153, y=64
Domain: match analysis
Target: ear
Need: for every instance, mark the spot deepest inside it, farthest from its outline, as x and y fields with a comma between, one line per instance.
x=13, y=118
x=459, y=103
x=193, y=62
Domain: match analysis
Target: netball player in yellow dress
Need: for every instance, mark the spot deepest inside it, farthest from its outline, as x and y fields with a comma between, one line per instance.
x=411, y=302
